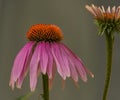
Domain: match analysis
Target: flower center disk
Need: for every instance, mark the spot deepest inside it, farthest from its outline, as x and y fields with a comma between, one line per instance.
x=45, y=32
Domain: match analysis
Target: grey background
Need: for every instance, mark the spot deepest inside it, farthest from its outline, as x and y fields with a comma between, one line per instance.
x=80, y=34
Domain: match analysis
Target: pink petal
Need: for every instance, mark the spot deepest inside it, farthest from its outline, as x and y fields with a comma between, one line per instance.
x=20, y=62
x=61, y=61
x=52, y=79
x=57, y=58
x=65, y=60
x=43, y=58
x=50, y=60
x=81, y=69
x=78, y=63
x=73, y=71
x=34, y=64
x=24, y=71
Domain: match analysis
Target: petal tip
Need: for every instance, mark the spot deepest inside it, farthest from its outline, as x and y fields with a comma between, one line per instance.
x=84, y=79
x=32, y=89
x=18, y=86
x=11, y=84
x=92, y=75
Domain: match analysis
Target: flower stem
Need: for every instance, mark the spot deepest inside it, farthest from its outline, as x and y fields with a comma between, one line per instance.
x=45, y=87
x=109, y=43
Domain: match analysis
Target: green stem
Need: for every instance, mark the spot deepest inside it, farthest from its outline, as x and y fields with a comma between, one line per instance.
x=45, y=87
x=109, y=43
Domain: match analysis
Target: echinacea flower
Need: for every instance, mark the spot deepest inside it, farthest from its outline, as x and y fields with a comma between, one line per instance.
x=45, y=54
x=108, y=20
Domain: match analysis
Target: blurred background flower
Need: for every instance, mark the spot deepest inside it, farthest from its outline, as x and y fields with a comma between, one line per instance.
x=107, y=20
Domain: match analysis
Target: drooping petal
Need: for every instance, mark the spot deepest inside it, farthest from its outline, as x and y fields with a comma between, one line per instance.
x=78, y=63
x=89, y=72
x=53, y=75
x=22, y=76
x=25, y=69
x=58, y=60
x=73, y=71
x=20, y=62
x=65, y=60
x=61, y=61
x=50, y=60
x=34, y=64
x=81, y=69
x=43, y=58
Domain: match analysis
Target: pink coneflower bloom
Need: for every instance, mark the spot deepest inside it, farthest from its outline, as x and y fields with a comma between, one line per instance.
x=45, y=54
x=107, y=20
